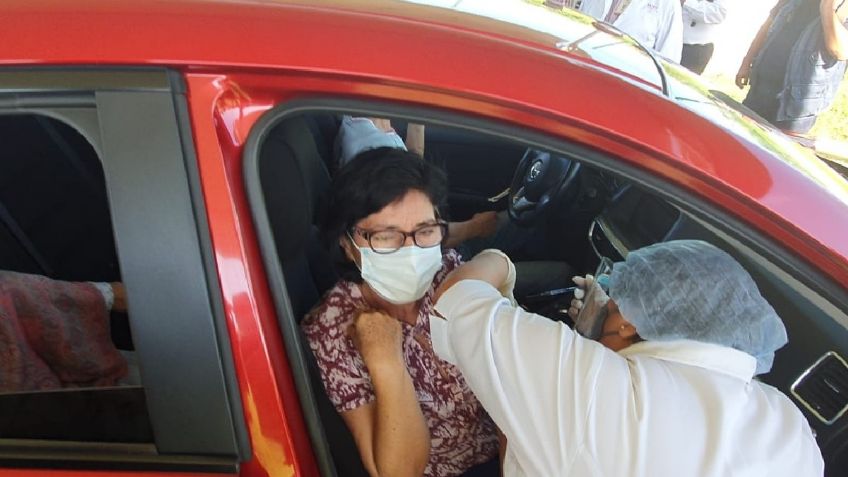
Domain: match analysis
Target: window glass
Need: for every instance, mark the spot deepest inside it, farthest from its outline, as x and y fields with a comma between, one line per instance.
x=67, y=362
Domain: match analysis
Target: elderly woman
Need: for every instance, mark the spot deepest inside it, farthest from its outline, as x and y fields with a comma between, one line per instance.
x=668, y=391
x=410, y=412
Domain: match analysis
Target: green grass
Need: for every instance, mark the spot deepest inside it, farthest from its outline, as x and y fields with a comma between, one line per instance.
x=832, y=124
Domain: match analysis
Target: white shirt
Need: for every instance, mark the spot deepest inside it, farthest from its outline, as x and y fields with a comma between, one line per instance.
x=570, y=406
x=701, y=20
x=595, y=8
x=357, y=135
x=657, y=24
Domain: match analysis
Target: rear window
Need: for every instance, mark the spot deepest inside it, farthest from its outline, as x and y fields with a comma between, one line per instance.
x=69, y=370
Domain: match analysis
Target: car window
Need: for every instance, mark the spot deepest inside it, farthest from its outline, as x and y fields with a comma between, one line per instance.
x=70, y=370
x=121, y=355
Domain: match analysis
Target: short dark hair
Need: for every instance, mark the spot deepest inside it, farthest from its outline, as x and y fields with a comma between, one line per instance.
x=370, y=182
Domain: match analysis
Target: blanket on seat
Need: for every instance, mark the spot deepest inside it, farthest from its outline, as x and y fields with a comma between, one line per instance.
x=54, y=335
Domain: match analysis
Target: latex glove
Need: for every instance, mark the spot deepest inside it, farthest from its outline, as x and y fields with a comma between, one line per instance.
x=591, y=300
x=583, y=284
x=508, y=286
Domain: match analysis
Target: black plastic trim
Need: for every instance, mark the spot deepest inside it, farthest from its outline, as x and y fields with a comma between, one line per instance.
x=104, y=456
x=206, y=249
x=156, y=234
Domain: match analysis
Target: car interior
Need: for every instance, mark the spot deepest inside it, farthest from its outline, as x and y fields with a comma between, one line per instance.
x=570, y=213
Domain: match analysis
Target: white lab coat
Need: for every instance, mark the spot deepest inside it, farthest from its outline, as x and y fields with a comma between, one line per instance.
x=702, y=20
x=569, y=406
x=656, y=24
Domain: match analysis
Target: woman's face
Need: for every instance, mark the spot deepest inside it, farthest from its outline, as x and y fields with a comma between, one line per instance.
x=412, y=211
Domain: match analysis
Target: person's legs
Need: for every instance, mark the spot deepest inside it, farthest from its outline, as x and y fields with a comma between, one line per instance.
x=696, y=57
x=762, y=101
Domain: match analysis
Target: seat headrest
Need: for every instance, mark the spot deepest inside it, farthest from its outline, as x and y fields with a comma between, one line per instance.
x=295, y=184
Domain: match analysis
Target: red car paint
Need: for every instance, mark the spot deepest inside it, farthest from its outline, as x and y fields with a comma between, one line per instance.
x=241, y=58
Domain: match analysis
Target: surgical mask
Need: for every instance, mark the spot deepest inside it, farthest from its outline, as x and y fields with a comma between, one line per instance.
x=403, y=276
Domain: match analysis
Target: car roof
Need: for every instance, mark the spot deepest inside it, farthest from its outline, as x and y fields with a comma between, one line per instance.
x=550, y=67
x=193, y=31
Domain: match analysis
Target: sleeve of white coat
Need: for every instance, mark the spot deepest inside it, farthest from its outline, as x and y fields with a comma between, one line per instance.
x=705, y=11
x=669, y=42
x=535, y=377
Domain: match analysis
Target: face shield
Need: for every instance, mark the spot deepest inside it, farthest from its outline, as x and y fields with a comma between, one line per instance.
x=590, y=321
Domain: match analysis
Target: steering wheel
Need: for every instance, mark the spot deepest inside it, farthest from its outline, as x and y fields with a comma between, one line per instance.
x=540, y=180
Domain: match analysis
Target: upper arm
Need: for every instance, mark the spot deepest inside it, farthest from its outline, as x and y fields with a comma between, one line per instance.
x=532, y=375
x=360, y=422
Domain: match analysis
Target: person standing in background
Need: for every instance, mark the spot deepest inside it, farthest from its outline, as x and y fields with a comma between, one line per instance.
x=701, y=22
x=657, y=24
x=796, y=63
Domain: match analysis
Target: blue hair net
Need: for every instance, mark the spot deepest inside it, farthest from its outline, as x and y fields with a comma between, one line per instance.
x=689, y=289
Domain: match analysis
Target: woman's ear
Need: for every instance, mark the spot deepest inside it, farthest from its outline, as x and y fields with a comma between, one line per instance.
x=350, y=250
x=628, y=332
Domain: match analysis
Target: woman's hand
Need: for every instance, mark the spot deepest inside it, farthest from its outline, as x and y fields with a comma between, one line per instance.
x=391, y=433
x=378, y=337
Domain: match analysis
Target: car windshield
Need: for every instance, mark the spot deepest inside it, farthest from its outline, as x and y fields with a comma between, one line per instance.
x=574, y=32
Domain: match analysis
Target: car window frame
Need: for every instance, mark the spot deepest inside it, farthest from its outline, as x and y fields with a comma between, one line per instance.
x=148, y=183
x=752, y=241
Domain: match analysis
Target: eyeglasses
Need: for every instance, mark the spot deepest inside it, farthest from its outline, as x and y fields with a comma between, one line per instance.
x=391, y=240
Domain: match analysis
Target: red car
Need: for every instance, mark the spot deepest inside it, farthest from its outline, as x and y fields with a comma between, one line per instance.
x=185, y=148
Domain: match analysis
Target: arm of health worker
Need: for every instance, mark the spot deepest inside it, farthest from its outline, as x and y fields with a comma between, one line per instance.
x=535, y=377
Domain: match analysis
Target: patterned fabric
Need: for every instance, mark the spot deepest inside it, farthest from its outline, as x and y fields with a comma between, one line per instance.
x=53, y=335
x=462, y=434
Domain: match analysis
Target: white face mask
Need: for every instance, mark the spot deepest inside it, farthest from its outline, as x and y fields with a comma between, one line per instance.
x=403, y=276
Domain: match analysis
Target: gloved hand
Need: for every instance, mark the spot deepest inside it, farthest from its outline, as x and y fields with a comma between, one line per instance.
x=588, y=308
x=583, y=284
x=508, y=285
